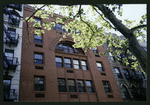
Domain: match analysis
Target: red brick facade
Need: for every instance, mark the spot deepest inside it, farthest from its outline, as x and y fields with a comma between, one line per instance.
x=51, y=73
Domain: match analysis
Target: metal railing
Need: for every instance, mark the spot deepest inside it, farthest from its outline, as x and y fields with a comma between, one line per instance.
x=10, y=62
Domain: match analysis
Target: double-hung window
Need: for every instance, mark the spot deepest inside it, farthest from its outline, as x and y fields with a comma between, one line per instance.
x=38, y=58
x=84, y=65
x=67, y=63
x=89, y=86
x=81, y=87
x=111, y=56
x=76, y=64
x=58, y=61
x=99, y=65
x=106, y=87
x=61, y=85
x=37, y=39
x=39, y=83
x=118, y=73
x=71, y=85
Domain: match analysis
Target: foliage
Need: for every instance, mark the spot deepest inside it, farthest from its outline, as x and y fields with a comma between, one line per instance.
x=92, y=31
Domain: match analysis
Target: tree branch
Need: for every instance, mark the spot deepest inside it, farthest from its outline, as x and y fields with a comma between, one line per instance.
x=137, y=27
x=29, y=18
x=104, y=18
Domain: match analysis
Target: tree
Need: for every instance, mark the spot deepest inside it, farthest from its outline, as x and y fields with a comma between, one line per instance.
x=90, y=34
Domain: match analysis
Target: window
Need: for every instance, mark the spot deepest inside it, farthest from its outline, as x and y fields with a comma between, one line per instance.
x=37, y=39
x=58, y=61
x=125, y=91
x=126, y=73
x=89, y=86
x=76, y=64
x=133, y=73
x=111, y=57
x=38, y=58
x=106, y=87
x=99, y=65
x=10, y=55
x=71, y=85
x=67, y=63
x=61, y=85
x=81, y=87
x=37, y=20
x=84, y=65
x=95, y=51
x=38, y=83
x=118, y=73
x=67, y=47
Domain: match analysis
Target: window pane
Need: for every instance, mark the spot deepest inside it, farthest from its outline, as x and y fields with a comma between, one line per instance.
x=117, y=70
x=106, y=87
x=83, y=62
x=71, y=83
x=37, y=37
x=99, y=65
x=39, y=80
x=37, y=20
x=88, y=83
x=100, y=69
x=76, y=67
x=72, y=89
x=81, y=89
x=75, y=61
x=84, y=67
x=90, y=89
x=58, y=59
x=67, y=60
x=80, y=83
x=38, y=56
x=61, y=82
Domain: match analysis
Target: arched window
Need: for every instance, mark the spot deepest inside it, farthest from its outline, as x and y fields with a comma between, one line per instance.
x=67, y=47
x=125, y=91
x=134, y=92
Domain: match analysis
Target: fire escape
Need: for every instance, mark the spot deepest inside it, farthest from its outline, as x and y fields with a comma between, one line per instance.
x=10, y=63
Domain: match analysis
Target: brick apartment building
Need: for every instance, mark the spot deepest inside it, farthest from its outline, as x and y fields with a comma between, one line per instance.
x=54, y=71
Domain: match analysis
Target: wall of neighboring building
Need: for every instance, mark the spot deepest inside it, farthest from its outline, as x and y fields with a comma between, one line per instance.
x=124, y=81
x=51, y=73
x=17, y=51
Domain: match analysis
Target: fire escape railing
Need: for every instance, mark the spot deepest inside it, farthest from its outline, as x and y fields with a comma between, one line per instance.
x=12, y=20
x=9, y=39
x=11, y=96
x=10, y=63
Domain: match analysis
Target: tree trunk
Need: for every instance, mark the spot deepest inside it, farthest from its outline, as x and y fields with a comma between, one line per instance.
x=134, y=46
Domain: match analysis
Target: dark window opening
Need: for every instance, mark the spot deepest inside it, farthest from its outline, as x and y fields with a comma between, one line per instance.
x=39, y=95
x=125, y=91
x=73, y=96
x=39, y=67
